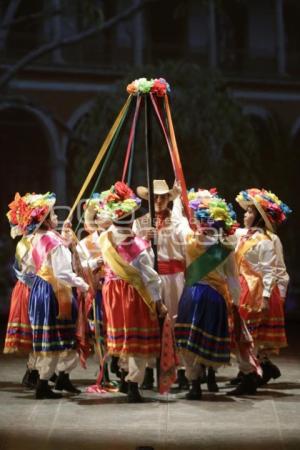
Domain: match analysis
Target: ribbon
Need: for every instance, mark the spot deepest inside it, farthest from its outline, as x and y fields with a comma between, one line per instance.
x=174, y=153
x=206, y=263
x=100, y=155
x=124, y=270
x=131, y=136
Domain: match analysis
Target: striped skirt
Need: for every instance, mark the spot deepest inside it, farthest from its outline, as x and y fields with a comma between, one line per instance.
x=18, y=335
x=202, y=325
x=50, y=334
x=267, y=329
x=131, y=329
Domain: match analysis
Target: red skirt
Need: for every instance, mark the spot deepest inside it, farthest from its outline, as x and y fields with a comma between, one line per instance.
x=132, y=330
x=19, y=335
x=267, y=329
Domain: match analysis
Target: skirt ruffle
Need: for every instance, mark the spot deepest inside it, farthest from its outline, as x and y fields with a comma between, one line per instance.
x=131, y=328
x=267, y=329
x=19, y=335
x=50, y=334
x=202, y=325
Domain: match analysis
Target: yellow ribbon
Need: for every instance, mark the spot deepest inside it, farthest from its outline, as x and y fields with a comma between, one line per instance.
x=124, y=270
x=62, y=293
x=100, y=155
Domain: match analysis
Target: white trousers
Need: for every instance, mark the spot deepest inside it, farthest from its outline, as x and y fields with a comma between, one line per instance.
x=171, y=289
x=31, y=362
x=193, y=369
x=62, y=362
x=135, y=366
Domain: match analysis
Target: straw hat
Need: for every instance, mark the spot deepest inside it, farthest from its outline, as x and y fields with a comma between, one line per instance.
x=160, y=187
x=26, y=213
x=270, y=207
x=212, y=210
x=118, y=202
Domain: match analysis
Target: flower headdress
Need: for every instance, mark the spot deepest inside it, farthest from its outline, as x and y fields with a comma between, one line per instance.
x=119, y=201
x=271, y=208
x=157, y=86
x=27, y=212
x=212, y=211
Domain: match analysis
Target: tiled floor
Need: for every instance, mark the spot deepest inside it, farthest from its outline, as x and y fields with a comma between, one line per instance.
x=268, y=421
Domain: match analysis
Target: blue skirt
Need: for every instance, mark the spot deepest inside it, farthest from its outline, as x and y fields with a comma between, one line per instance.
x=98, y=317
x=49, y=333
x=202, y=325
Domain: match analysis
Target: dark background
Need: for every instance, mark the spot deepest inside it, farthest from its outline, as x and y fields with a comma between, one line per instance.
x=234, y=71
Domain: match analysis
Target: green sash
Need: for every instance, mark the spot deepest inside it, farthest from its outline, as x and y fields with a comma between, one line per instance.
x=206, y=263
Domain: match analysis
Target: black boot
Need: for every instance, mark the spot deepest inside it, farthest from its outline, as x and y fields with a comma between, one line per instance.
x=123, y=385
x=148, y=382
x=237, y=380
x=247, y=386
x=53, y=378
x=30, y=379
x=114, y=366
x=195, y=392
x=183, y=383
x=203, y=378
x=134, y=395
x=211, y=381
x=63, y=383
x=106, y=378
x=44, y=391
x=269, y=371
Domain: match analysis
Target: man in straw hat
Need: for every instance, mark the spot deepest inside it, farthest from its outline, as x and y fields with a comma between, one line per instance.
x=131, y=291
x=170, y=239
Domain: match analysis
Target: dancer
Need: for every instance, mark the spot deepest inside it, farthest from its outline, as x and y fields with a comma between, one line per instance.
x=171, y=229
x=263, y=275
x=52, y=305
x=212, y=287
x=18, y=338
x=131, y=291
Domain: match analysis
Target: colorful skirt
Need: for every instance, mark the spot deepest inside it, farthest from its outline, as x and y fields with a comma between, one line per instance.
x=131, y=328
x=50, y=334
x=267, y=329
x=95, y=318
x=19, y=335
x=202, y=325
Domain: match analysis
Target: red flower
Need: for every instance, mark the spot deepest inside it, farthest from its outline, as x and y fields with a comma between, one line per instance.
x=112, y=198
x=122, y=190
x=159, y=88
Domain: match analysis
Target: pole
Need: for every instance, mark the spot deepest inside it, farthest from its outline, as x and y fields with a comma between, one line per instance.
x=149, y=166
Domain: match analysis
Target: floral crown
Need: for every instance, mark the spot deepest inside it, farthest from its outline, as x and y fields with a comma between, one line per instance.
x=118, y=201
x=157, y=86
x=271, y=208
x=211, y=209
x=27, y=212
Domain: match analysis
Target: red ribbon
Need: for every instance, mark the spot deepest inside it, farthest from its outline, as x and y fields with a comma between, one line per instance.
x=131, y=136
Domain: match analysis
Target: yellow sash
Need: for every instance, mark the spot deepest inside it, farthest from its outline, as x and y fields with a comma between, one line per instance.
x=124, y=270
x=254, y=279
x=62, y=292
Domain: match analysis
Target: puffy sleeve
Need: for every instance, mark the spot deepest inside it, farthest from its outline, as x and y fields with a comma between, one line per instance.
x=61, y=259
x=281, y=273
x=86, y=261
x=267, y=265
x=144, y=263
x=232, y=275
x=179, y=219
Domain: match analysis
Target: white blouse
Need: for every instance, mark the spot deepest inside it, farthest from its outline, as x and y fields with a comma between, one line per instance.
x=266, y=258
x=144, y=263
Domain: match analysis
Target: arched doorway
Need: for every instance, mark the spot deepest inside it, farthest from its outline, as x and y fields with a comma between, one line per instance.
x=26, y=166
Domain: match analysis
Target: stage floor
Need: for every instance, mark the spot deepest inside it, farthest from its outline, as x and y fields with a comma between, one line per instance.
x=269, y=421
